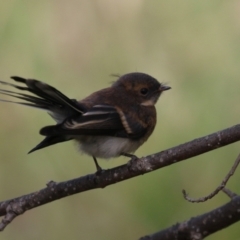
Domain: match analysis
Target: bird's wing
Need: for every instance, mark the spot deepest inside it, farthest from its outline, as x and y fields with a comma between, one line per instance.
x=46, y=97
x=100, y=120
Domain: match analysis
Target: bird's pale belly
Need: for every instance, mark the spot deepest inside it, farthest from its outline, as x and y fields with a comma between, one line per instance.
x=106, y=147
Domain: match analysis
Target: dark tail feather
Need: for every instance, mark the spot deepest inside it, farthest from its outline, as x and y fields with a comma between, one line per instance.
x=50, y=140
x=45, y=91
x=46, y=97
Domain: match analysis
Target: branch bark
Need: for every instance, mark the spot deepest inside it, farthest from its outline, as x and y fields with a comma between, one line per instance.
x=199, y=227
x=14, y=207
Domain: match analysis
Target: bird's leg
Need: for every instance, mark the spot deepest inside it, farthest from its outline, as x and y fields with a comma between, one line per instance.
x=99, y=169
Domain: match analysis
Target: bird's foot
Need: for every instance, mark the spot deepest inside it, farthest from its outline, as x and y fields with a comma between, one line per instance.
x=131, y=162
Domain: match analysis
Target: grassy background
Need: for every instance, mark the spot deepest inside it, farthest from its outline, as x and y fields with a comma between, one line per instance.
x=75, y=46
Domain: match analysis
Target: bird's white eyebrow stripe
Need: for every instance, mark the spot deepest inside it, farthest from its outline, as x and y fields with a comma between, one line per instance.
x=124, y=121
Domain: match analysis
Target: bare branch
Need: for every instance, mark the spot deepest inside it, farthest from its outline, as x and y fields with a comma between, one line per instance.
x=229, y=193
x=14, y=207
x=218, y=189
x=201, y=226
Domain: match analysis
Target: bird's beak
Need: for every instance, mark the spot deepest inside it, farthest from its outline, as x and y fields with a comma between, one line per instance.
x=164, y=88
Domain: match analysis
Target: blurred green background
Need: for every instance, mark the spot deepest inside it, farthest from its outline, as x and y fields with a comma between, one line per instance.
x=194, y=46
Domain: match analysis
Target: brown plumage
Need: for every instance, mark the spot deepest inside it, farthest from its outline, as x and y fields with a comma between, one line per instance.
x=108, y=123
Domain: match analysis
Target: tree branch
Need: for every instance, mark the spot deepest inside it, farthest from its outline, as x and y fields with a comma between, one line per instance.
x=218, y=189
x=14, y=207
x=201, y=226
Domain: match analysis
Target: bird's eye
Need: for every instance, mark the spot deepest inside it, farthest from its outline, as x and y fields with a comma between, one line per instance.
x=144, y=91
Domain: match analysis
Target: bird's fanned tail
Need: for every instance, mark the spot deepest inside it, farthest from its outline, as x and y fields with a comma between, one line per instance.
x=46, y=97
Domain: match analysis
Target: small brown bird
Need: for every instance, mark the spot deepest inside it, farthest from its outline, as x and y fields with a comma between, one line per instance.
x=111, y=122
